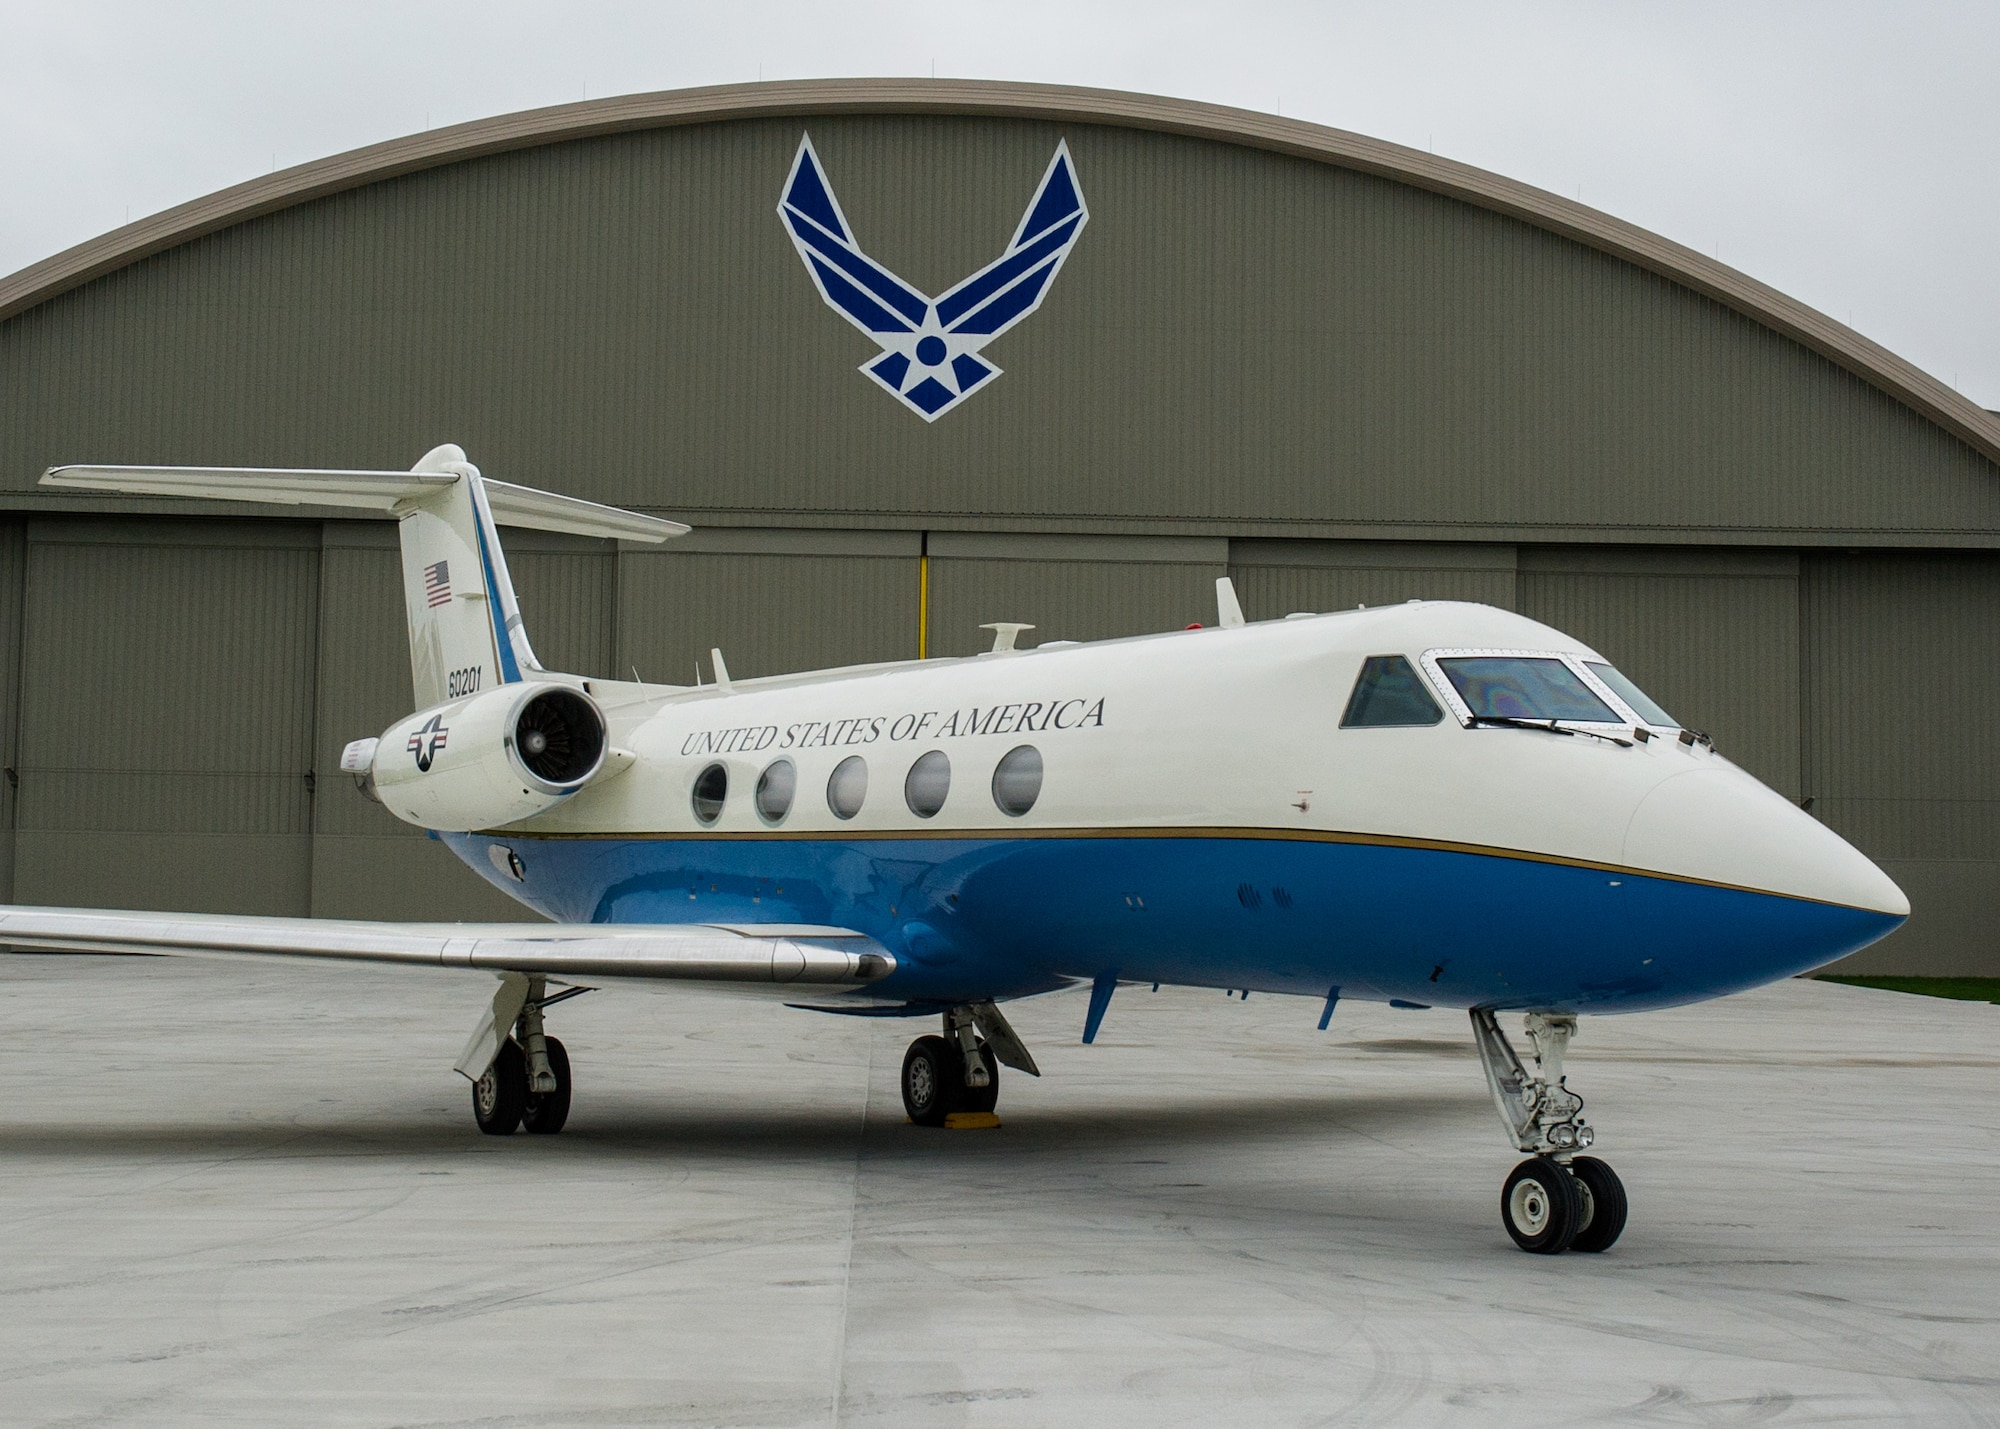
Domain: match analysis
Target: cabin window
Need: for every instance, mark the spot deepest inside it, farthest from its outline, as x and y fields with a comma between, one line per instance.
x=1389, y=692
x=1641, y=703
x=1524, y=687
x=847, y=787
x=1017, y=780
x=775, y=787
x=927, y=783
x=711, y=788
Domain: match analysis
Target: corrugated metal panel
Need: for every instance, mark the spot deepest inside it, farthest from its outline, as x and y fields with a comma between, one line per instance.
x=1904, y=695
x=769, y=614
x=1066, y=599
x=164, y=756
x=1903, y=698
x=362, y=684
x=13, y=565
x=569, y=593
x=1276, y=578
x=1239, y=338
x=1713, y=636
x=365, y=862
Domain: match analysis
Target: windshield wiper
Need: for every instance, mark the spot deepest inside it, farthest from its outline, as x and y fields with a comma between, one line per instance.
x=1548, y=727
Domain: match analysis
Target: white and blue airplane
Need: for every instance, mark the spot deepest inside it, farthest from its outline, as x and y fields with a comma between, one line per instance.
x=1430, y=804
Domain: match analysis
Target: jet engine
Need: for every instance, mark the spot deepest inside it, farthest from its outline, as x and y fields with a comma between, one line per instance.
x=493, y=759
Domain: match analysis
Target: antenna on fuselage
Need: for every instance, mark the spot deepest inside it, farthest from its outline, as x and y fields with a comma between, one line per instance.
x=1228, y=609
x=1005, y=633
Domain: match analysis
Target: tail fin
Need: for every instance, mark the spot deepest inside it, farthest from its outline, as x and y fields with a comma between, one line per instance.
x=465, y=625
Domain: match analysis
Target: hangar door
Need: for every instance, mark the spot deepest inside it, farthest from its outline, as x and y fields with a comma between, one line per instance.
x=1712, y=635
x=1903, y=754
x=773, y=601
x=165, y=755
x=1067, y=587
x=1276, y=577
x=13, y=558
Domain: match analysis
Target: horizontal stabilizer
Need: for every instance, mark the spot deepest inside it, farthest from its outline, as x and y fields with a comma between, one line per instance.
x=784, y=954
x=370, y=490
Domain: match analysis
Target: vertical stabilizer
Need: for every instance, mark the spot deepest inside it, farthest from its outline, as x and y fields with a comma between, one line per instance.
x=465, y=625
x=466, y=633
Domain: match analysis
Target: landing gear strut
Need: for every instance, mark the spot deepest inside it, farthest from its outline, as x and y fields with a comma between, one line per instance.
x=960, y=1071
x=526, y=1082
x=1556, y=1200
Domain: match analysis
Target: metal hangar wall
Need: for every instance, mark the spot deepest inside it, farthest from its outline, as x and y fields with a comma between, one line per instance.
x=1337, y=370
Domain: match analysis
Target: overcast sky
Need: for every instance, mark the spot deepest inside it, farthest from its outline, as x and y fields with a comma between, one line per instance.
x=1843, y=153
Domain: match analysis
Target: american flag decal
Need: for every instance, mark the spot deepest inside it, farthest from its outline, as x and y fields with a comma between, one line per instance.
x=437, y=583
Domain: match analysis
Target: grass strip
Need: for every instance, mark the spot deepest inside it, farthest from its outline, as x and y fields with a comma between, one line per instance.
x=1965, y=989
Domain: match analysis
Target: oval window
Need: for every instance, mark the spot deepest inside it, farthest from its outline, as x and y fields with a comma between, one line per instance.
x=775, y=787
x=1017, y=780
x=847, y=787
x=711, y=787
x=927, y=783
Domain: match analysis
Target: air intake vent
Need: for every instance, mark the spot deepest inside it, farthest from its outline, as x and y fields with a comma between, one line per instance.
x=560, y=736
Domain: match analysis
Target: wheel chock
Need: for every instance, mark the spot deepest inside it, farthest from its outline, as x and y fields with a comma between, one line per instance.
x=971, y=1121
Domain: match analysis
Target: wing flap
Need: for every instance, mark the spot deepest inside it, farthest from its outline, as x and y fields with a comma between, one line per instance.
x=709, y=953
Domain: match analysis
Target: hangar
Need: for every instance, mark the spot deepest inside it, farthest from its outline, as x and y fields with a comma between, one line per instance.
x=1340, y=371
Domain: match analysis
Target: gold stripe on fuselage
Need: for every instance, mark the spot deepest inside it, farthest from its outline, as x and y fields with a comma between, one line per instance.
x=1328, y=836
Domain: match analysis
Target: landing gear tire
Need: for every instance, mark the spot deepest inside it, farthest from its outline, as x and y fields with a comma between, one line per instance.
x=1541, y=1206
x=545, y=1112
x=1603, y=1208
x=501, y=1096
x=933, y=1081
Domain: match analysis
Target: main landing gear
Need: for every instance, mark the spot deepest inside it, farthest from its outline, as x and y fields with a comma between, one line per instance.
x=526, y=1081
x=1556, y=1200
x=960, y=1071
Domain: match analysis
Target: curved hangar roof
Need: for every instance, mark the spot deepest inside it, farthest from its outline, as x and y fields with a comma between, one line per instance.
x=1245, y=324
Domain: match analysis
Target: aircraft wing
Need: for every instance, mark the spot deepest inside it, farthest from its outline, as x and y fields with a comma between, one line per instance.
x=788, y=955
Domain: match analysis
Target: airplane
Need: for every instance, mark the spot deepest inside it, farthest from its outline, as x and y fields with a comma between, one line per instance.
x=1433, y=804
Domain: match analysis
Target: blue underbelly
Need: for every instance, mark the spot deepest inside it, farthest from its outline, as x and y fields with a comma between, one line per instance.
x=983, y=917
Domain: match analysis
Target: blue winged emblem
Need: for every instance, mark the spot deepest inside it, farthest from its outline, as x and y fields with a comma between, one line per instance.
x=930, y=346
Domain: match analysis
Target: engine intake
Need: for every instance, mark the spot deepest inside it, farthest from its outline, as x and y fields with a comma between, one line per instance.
x=559, y=734
x=490, y=760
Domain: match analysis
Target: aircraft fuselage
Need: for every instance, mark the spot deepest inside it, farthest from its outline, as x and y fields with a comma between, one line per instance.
x=1203, y=818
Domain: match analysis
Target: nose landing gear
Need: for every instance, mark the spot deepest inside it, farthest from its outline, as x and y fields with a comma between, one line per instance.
x=1556, y=1200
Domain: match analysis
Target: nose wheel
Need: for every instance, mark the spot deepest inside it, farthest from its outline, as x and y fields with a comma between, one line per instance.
x=1540, y=1206
x=1556, y=1200
x=1549, y=1207
x=1601, y=1217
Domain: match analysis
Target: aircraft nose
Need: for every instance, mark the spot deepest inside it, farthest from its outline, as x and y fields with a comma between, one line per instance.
x=1719, y=825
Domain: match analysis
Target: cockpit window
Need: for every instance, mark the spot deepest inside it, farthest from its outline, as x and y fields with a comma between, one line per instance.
x=1389, y=692
x=1622, y=686
x=1524, y=687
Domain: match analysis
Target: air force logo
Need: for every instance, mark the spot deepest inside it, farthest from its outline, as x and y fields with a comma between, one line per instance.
x=930, y=346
